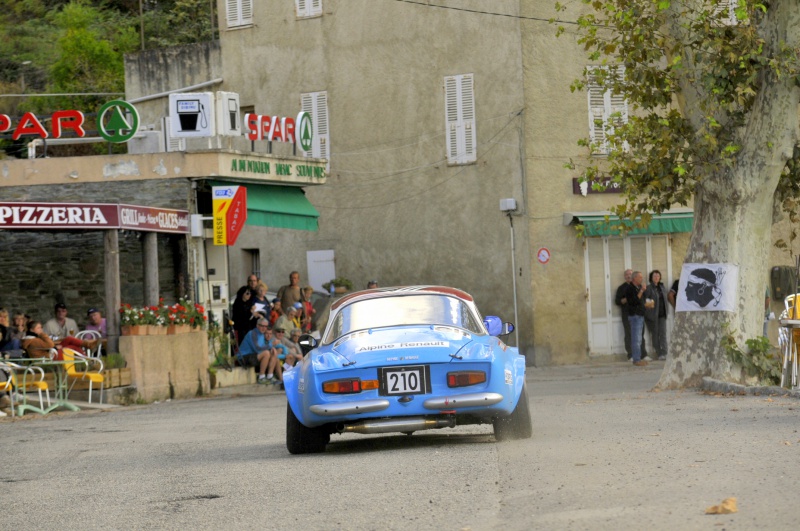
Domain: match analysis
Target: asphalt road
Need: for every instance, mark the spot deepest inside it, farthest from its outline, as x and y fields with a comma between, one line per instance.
x=607, y=453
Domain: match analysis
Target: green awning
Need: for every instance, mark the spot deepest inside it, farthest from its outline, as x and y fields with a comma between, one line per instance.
x=283, y=207
x=595, y=224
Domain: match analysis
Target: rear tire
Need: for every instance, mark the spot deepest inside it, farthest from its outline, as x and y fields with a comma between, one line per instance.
x=301, y=439
x=518, y=424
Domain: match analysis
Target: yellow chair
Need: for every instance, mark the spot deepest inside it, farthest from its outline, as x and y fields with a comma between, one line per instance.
x=86, y=375
x=30, y=380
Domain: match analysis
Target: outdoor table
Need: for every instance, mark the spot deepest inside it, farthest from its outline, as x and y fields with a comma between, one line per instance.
x=789, y=368
x=61, y=388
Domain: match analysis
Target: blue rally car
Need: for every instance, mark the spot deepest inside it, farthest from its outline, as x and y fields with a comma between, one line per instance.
x=403, y=360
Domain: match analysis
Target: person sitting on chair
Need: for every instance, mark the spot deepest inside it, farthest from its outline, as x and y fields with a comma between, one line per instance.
x=96, y=322
x=37, y=344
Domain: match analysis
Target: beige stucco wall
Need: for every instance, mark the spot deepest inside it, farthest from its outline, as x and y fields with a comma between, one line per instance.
x=392, y=208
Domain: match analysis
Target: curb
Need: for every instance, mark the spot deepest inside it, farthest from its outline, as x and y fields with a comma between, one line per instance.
x=710, y=384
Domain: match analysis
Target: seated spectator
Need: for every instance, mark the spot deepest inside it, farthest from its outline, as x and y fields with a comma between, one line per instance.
x=287, y=320
x=19, y=326
x=60, y=325
x=276, y=311
x=282, y=350
x=96, y=322
x=294, y=353
x=38, y=344
x=256, y=351
x=243, y=319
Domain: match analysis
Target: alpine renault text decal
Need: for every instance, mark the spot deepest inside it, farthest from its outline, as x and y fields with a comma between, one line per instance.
x=416, y=344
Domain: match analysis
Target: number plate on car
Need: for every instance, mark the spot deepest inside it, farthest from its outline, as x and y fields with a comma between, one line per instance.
x=411, y=380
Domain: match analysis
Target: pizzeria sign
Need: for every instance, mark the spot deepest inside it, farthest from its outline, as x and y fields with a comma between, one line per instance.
x=51, y=216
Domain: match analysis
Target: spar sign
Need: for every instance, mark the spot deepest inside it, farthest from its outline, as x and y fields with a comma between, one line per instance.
x=230, y=213
x=117, y=121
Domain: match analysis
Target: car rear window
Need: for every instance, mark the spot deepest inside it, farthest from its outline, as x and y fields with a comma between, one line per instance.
x=403, y=310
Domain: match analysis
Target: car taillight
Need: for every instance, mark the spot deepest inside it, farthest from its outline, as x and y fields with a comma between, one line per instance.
x=342, y=386
x=464, y=378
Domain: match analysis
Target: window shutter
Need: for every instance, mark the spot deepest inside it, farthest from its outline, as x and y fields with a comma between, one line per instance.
x=603, y=106
x=239, y=12
x=316, y=8
x=316, y=104
x=308, y=8
x=171, y=143
x=460, y=119
x=728, y=10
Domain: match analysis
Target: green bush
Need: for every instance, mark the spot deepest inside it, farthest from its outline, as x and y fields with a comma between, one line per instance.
x=761, y=360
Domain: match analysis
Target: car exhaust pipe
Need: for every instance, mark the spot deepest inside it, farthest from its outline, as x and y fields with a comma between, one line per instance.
x=396, y=425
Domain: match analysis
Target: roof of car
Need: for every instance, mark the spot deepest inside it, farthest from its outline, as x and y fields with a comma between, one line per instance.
x=401, y=290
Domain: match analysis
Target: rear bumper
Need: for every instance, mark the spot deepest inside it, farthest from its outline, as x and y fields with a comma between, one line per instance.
x=453, y=403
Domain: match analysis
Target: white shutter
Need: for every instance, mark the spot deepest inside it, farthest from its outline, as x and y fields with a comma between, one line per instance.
x=308, y=8
x=239, y=12
x=728, y=10
x=316, y=104
x=602, y=105
x=460, y=119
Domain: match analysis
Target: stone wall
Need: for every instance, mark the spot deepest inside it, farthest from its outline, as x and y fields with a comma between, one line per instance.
x=41, y=268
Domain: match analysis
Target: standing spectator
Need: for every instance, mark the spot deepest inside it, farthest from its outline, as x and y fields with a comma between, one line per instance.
x=308, y=308
x=635, y=305
x=655, y=314
x=290, y=293
x=372, y=284
x=276, y=311
x=61, y=325
x=252, y=284
x=256, y=351
x=96, y=322
x=242, y=322
x=672, y=296
x=621, y=301
x=261, y=306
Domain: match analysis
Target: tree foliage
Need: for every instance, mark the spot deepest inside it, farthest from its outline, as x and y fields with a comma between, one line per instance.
x=692, y=76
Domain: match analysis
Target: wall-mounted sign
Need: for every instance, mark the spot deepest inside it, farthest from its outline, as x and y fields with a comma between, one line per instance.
x=230, y=213
x=228, y=121
x=280, y=129
x=117, y=121
x=53, y=216
x=543, y=255
x=192, y=115
x=585, y=187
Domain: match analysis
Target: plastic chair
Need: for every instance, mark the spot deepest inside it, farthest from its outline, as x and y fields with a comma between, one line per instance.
x=75, y=374
x=11, y=369
x=89, y=335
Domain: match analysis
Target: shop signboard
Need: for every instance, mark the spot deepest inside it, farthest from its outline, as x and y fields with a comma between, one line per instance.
x=230, y=213
x=52, y=216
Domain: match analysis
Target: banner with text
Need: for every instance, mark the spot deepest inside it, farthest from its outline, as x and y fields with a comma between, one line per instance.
x=52, y=216
x=230, y=213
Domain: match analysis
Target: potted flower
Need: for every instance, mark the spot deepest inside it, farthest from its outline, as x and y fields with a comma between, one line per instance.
x=132, y=320
x=340, y=285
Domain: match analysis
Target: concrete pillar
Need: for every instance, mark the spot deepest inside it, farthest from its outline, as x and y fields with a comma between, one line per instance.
x=150, y=261
x=112, y=285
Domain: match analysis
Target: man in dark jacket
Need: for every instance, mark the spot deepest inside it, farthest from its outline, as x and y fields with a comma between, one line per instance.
x=635, y=306
x=619, y=300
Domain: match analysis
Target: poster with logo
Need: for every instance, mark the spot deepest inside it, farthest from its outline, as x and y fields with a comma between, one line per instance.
x=708, y=288
x=230, y=213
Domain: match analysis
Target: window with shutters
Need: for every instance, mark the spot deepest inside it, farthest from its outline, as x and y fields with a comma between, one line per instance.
x=726, y=10
x=308, y=8
x=239, y=13
x=606, y=110
x=316, y=104
x=459, y=110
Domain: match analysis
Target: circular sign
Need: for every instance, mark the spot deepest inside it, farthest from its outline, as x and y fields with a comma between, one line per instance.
x=543, y=255
x=304, y=130
x=117, y=127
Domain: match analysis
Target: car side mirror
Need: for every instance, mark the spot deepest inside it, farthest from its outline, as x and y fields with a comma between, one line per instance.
x=496, y=327
x=307, y=343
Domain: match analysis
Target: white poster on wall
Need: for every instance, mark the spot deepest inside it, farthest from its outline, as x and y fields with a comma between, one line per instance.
x=708, y=288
